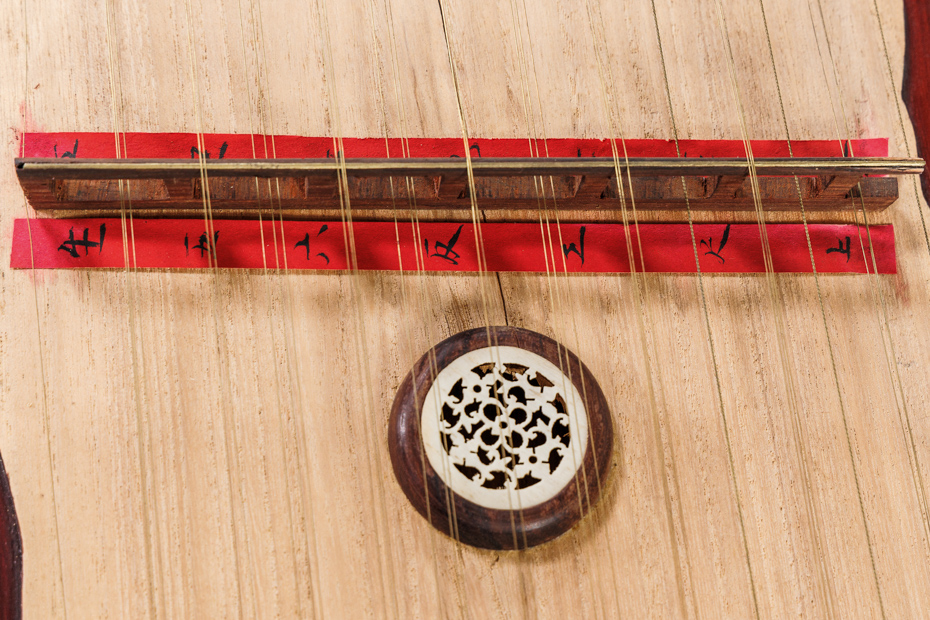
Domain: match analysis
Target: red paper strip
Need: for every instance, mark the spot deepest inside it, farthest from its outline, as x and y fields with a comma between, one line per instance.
x=508, y=247
x=447, y=246
x=246, y=146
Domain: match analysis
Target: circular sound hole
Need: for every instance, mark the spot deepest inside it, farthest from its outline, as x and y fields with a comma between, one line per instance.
x=513, y=440
x=497, y=426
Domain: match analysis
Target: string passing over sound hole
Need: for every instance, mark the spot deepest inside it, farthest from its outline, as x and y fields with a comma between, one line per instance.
x=512, y=440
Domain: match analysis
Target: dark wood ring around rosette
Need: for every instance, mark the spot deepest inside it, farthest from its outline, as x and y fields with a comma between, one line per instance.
x=518, y=524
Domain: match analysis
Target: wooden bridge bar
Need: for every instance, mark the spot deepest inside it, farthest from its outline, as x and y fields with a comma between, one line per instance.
x=87, y=169
x=714, y=184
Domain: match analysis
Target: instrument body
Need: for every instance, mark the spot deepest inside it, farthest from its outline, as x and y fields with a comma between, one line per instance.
x=214, y=443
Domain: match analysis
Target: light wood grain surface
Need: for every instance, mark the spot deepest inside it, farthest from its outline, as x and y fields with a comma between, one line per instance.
x=214, y=444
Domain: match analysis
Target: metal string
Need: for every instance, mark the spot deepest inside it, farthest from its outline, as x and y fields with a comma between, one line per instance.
x=446, y=21
x=231, y=444
x=419, y=259
x=419, y=264
x=375, y=462
x=553, y=281
x=598, y=34
x=788, y=375
x=144, y=432
x=302, y=435
x=710, y=338
x=829, y=589
x=825, y=583
x=282, y=423
x=642, y=294
x=43, y=389
x=265, y=273
x=775, y=297
x=880, y=304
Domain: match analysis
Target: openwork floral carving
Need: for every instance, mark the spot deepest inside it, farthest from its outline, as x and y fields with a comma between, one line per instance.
x=505, y=425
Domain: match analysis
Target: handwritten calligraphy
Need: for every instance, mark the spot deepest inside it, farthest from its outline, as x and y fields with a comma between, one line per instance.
x=447, y=246
x=305, y=242
x=572, y=248
x=449, y=254
x=195, y=153
x=709, y=244
x=70, y=245
x=72, y=153
x=841, y=249
x=203, y=244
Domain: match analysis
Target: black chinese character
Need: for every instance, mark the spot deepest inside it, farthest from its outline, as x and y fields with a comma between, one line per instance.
x=841, y=249
x=203, y=244
x=571, y=247
x=72, y=153
x=71, y=244
x=449, y=254
x=206, y=154
x=306, y=243
x=709, y=243
x=473, y=147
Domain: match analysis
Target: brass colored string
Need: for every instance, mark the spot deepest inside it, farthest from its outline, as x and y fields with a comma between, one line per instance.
x=212, y=262
x=446, y=21
x=710, y=338
x=282, y=424
x=552, y=280
x=555, y=299
x=420, y=263
x=387, y=577
x=791, y=388
x=897, y=100
x=43, y=388
x=445, y=18
x=641, y=293
x=825, y=584
x=150, y=522
x=405, y=311
x=884, y=322
x=555, y=289
x=405, y=304
x=892, y=367
x=231, y=444
x=775, y=297
x=130, y=269
x=301, y=417
x=684, y=572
